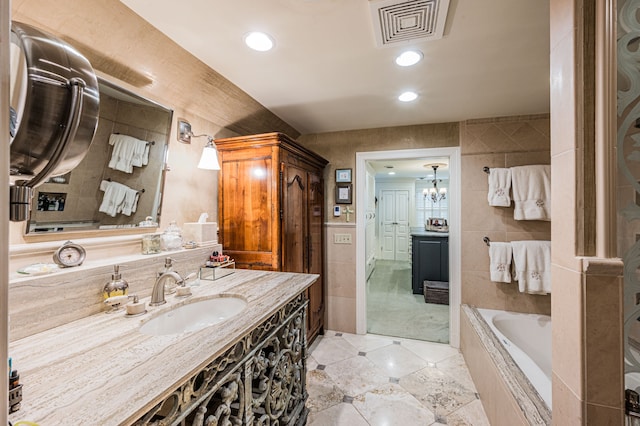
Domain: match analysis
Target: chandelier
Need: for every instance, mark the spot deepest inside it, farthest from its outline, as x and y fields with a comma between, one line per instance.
x=436, y=194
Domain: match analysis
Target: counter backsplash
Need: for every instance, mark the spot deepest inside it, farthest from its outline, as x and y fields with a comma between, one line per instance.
x=43, y=302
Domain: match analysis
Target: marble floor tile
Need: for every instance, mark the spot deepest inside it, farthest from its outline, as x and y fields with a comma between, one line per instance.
x=455, y=367
x=365, y=383
x=341, y=414
x=323, y=392
x=396, y=361
x=367, y=342
x=356, y=375
x=437, y=390
x=471, y=414
x=429, y=351
x=332, y=349
x=392, y=405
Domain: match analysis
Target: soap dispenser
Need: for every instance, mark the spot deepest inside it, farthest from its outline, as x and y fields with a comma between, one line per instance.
x=117, y=286
x=169, y=285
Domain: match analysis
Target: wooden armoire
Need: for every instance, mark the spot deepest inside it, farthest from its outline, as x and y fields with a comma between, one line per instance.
x=270, y=210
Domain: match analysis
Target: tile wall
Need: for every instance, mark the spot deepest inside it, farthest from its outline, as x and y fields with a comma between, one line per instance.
x=340, y=149
x=587, y=303
x=500, y=142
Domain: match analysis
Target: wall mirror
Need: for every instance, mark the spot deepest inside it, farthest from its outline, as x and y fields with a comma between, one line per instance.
x=120, y=181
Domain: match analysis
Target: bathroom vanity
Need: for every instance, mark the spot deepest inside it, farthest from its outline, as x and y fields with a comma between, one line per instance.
x=103, y=370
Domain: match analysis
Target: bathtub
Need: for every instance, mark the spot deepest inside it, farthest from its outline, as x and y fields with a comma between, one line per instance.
x=527, y=338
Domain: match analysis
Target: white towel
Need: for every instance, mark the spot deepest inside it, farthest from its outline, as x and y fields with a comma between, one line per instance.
x=118, y=198
x=531, y=186
x=499, y=186
x=127, y=152
x=532, y=261
x=500, y=262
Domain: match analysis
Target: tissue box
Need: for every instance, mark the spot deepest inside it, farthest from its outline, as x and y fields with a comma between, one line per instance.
x=200, y=232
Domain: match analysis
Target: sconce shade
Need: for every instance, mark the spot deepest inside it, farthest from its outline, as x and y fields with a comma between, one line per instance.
x=209, y=158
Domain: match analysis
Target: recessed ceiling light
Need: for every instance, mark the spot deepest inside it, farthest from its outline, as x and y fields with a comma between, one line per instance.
x=392, y=173
x=408, y=96
x=408, y=58
x=258, y=41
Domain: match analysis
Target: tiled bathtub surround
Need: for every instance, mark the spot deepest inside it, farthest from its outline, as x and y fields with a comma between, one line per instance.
x=378, y=380
x=510, y=397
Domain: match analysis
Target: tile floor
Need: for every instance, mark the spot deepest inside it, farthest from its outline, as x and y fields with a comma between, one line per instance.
x=356, y=380
x=393, y=309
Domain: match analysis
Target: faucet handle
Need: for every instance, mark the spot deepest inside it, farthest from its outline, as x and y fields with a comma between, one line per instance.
x=189, y=277
x=116, y=301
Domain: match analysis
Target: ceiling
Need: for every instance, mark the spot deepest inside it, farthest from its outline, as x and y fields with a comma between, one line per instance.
x=326, y=72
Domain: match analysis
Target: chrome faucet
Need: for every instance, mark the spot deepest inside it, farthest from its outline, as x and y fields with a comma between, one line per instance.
x=157, y=295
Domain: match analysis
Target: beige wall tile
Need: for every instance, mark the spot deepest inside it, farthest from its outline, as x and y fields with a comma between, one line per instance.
x=472, y=168
x=604, y=340
x=341, y=280
x=341, y=314
x=563, y=211
x=563, y=94
x=568, y=345
x=568, y=409
x=604, y=416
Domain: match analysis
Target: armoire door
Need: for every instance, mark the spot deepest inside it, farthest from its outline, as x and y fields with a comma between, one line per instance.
x=294, y=218
x=315, y=203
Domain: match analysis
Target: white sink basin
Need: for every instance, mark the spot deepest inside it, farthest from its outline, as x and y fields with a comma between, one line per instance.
x=194, y=316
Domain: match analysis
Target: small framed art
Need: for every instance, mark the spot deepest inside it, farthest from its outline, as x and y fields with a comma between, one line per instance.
x=343, y=193
x=343, y=175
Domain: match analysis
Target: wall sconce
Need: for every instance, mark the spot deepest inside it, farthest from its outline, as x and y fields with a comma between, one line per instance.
x=209, y=158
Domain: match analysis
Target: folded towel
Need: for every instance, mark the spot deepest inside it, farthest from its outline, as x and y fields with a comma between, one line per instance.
x=127, y=152
x=118, y=198
x=532, y=261
x=499, y=186
x=531, y=186
x=500, y=262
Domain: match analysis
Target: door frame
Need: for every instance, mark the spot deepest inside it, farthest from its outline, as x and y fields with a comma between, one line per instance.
x=454, y=231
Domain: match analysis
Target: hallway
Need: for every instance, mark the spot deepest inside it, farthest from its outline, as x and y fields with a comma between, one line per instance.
x=393, y=310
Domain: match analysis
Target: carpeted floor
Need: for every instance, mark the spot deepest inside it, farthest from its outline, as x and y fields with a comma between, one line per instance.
x=393, y=310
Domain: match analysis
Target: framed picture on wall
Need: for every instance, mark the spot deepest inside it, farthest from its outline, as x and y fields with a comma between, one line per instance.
x=343, y=175
x=343, y=193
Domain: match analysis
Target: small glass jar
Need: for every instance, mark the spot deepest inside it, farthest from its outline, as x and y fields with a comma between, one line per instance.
x=151, y=244
x=172, y=237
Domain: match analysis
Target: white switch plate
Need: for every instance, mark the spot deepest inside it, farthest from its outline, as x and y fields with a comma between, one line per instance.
x=342, y=238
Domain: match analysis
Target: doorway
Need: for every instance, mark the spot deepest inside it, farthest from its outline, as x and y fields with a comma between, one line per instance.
x=398, y=270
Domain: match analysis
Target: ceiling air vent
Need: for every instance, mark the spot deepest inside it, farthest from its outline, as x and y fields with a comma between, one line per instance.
x=403, y=21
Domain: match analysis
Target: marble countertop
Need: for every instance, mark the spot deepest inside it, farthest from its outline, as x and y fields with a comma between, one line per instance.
x=102, y=370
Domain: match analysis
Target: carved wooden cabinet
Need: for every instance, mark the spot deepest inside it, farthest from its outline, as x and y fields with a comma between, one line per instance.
x=270, y=210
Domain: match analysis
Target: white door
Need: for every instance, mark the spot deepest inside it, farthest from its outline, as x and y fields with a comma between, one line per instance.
x=394, y=224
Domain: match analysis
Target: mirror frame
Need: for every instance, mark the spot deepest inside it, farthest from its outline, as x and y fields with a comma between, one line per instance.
x=81, y=233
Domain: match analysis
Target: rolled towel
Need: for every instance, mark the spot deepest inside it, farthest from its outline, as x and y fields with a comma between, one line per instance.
x=531, y=186
x=532, y=261
x=500, y=262
x=499, y=187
